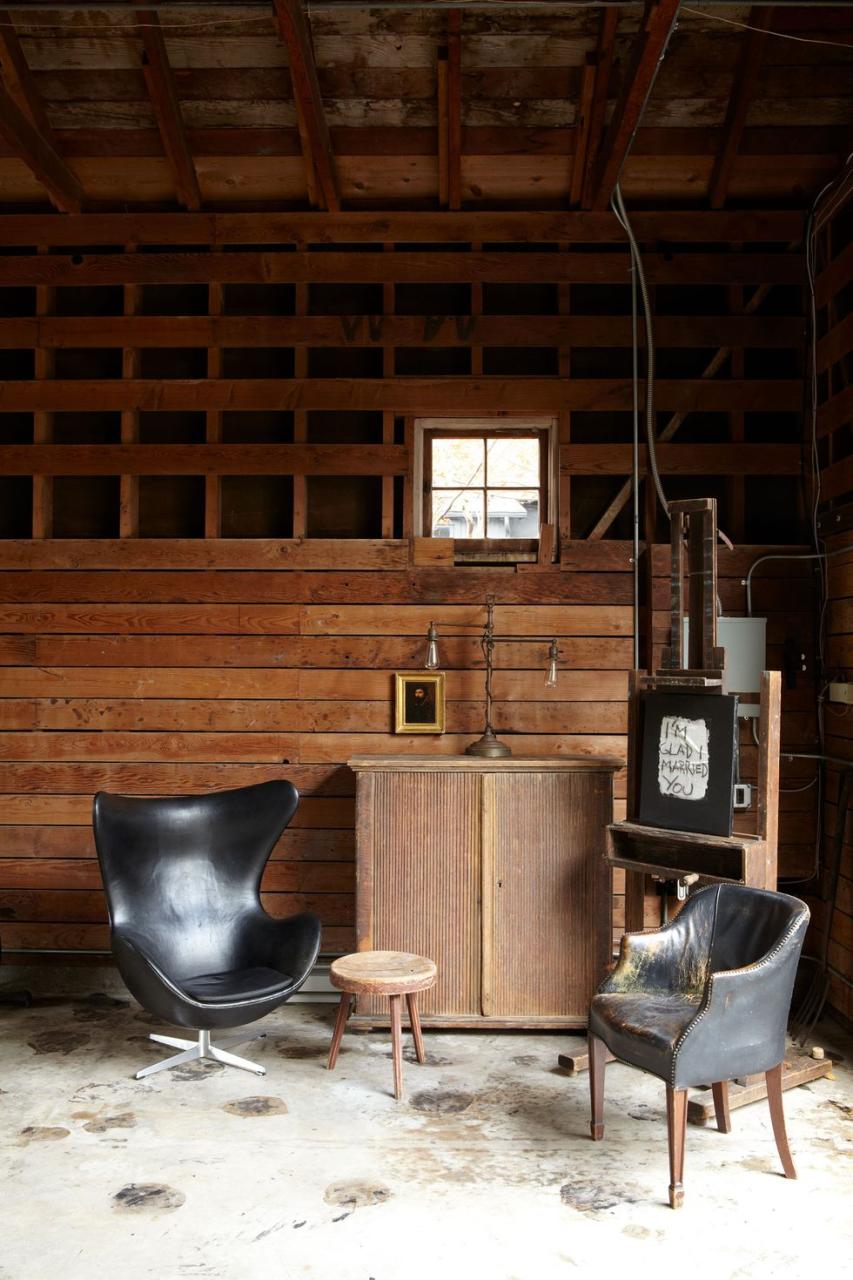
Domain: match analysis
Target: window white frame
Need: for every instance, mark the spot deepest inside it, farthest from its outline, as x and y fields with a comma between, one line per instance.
x=499, y=423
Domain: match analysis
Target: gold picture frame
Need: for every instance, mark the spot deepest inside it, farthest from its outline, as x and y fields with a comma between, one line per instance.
x=419, y=702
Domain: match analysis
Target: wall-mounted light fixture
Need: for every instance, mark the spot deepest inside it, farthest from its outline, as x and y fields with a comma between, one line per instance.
x=489, y=744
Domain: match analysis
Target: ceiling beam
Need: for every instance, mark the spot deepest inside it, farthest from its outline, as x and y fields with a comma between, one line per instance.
x=162, y=90
x=593, y=120
x=655, y=30
x=743, y=89
x=48, y=166
x=25, y=126
x=313, y=128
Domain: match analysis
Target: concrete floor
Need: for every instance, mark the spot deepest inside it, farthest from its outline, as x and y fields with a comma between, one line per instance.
x=485, y=1170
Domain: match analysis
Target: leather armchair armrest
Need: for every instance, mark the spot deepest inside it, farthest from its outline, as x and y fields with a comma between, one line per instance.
x=660, y=960
x=740, y=1027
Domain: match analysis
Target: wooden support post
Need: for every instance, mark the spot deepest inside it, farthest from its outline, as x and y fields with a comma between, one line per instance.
x=564, y=419
x=443, y=143
x=736, y=484
x=43, y=422
x=388, y=359
x=300, y=421
x=454, y=109
x=769, y=736
x=213, y=427
x=128, y=520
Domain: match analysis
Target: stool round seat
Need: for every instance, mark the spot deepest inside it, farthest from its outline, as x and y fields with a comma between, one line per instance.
x=383, y=973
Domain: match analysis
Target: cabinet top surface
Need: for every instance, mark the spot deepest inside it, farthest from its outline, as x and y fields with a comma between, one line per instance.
x=477, y=764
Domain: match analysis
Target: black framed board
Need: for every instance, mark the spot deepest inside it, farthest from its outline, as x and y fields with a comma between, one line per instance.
x=688, y=761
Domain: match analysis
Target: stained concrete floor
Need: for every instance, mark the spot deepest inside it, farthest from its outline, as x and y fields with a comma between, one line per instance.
x=485, y=1170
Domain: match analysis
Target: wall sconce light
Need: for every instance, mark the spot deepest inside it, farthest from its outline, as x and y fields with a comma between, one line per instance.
x=488, y=744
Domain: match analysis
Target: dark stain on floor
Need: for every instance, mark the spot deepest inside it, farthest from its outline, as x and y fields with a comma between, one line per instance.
x=298, y=1052
x=431, y=1059
x=142, y=1197
x=441, y=1102
x=125, y=1120
x=256, y=1107
x=97, y=1007
x=198, y=1070
x=42, y=1133
x=591, y=1197
x=58, y=1041
x=355, y=1194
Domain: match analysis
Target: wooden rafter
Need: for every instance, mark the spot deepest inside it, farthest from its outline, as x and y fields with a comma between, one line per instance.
x=162, y=90
x=25, y=127
x=656, y=28
x=313, y=128
x=596, y=85
x=47, y=164
x=743, y=88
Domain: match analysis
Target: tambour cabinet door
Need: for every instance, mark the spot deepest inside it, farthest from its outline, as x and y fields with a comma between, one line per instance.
x=546, y=893
x=419, y=870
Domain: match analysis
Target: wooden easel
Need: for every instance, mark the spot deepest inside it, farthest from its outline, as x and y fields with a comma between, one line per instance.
x=746, y=857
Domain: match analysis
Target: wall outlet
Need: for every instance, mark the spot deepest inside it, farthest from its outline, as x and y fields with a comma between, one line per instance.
x=839, y=692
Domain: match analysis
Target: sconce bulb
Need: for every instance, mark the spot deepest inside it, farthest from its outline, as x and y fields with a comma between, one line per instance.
x=551, y=678
x=431, y=663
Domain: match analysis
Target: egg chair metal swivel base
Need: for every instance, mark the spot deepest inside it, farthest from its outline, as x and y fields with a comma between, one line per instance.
x=193, y=1050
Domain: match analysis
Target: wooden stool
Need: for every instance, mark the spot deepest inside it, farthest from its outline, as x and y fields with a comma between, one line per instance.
x=383, y=973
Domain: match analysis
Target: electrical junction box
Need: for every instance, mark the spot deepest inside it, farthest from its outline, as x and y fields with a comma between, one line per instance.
x=839, y=692
x=745, y=643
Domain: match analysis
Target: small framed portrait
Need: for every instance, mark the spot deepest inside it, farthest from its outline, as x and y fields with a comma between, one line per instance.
x=419, y=702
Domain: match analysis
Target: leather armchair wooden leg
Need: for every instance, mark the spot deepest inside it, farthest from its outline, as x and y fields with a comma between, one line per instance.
x=676, y=1123
x=777, y=1117
x=597, y=1063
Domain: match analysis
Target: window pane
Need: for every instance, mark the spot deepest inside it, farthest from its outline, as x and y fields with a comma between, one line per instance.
x=457, y=513
x=458, y=462
x=514, y=461
x=513, y=513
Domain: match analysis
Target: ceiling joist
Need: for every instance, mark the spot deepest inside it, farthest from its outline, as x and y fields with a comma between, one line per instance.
x=593, y=117
x=313, y=128
x=25, y=127
x=655, y=30
x=743, y=89
x=160, y=82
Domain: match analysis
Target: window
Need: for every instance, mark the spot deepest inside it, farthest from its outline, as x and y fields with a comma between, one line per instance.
x=485, y=479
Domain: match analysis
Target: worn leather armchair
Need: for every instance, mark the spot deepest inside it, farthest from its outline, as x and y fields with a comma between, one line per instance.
x=189, y=934
x=703, y=1001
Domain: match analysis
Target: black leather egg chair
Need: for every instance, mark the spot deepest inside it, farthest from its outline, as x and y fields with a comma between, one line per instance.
x=703, y=1001
x=189, y=934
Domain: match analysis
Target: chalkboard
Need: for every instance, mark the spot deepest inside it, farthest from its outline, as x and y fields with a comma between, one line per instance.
x=687, y=760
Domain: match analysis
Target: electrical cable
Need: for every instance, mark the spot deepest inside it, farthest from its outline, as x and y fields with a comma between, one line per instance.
x=618, y=206
x=780, y=35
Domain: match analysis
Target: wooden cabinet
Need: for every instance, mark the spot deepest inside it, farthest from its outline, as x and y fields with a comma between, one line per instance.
x=496, y=870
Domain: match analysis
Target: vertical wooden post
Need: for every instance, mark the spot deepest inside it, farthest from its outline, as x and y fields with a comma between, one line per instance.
x=388, y=304
x=300, y=421
x=736, y=484
x=476, y=311
x=454, y=109
x=213, y=424
x=564, y=420
x=769, y=736
x=43, y=422
x=129, y=485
